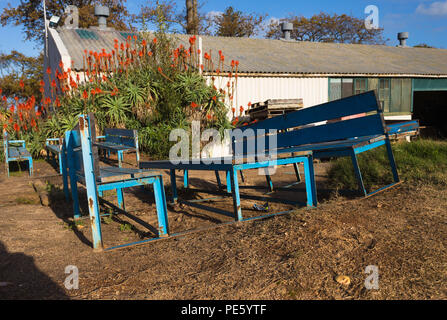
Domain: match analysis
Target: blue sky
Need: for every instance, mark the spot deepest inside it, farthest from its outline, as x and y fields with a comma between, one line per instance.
x=425, y=20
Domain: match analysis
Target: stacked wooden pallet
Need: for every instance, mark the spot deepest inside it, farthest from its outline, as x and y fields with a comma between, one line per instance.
x=274, y=107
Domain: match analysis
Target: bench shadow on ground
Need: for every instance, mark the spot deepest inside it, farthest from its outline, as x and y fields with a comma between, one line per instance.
x=64, y=210
x=22, y=279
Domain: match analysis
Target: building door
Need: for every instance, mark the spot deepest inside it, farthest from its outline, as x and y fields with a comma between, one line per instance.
x=430, y=105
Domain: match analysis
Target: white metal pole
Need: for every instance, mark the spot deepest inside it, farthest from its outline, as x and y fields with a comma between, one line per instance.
x=200, y=55
x=45, y=23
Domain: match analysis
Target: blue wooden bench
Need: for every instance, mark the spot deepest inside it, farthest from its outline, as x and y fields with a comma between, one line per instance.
x=119, y=141
x=54, y=148
x=15, y=151
x=403, y=129
x=320, y=129
x=81, y=164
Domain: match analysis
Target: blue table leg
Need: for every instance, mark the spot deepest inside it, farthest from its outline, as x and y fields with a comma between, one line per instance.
x=219, y=183
x=120, y=196
x=309, y=175
x=229, y=181
x=185, y=179
x=269, y=180
x=236, y=196
x=173, y=186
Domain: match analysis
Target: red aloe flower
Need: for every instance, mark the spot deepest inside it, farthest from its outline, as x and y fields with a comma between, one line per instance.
x=16, y=127
x=48, y=70
x=194, y=105
x=85, y=94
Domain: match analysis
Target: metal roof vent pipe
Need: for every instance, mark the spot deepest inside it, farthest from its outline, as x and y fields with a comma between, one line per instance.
x=402, y=37
x=102, y=13
x=286, y=28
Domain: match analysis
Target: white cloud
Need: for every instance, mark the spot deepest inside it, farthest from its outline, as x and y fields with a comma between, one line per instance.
x=213, y=14
x=437, y=8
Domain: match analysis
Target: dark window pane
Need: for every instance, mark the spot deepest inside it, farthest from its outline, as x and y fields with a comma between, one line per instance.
x=347, y=88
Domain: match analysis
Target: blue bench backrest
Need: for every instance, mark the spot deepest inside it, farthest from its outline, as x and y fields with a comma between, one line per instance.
x=122, y=137
x=307, y=127
x=73, y=148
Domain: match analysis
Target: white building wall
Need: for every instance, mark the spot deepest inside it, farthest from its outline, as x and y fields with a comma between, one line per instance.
x=313, y=91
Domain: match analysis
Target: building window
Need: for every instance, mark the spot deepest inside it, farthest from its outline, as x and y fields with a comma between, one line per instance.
x=346, y=87
x=360, y=86
x=385, y=94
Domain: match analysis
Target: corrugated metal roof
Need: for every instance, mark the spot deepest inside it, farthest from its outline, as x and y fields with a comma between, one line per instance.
x=287, y=57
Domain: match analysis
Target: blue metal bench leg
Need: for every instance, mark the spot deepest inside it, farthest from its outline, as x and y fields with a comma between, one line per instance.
x=297, y=172
x=65, y=174
x=7, y=168
x=311, y=189
x=219, y=183
x=236, y=196
x=31, y=167
x=392, y=161
x=120, y=196
x=60, y=163
x=229, y=182
x=358, y=174
x=269, y=180
x=162, y=210
x=242, y=176
x=120, y=159
x=90, y=182
x=185, y=179
x=173, y=186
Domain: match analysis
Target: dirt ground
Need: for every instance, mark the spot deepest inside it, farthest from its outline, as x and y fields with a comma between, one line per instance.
x=294, y=256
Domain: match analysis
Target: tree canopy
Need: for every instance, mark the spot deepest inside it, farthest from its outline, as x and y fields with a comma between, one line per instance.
x=30, y=15
x=235, y=23
x=324, y=27
x=20, y=75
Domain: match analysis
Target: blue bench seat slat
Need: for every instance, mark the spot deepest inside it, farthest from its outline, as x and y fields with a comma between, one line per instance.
x=120, y=132
x=18, y=152
x=55, y=148
x=112, y=146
